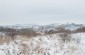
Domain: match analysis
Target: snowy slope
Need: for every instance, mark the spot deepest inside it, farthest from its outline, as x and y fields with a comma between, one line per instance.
x=45, y=45
x=19, y=26
x=45, y=27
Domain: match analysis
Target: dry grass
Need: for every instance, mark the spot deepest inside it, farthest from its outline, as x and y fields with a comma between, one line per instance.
x=5, y=39
x=39, y=49
x=24, y=48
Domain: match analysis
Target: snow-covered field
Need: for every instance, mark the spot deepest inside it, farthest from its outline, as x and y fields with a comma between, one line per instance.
x=45, y=45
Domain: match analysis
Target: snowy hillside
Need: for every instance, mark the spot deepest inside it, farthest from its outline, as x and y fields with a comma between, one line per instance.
x=51, y=26
x=19, y=26
x=45, y=45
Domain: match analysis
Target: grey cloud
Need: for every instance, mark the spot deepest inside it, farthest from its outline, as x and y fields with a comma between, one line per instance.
x=42, y=10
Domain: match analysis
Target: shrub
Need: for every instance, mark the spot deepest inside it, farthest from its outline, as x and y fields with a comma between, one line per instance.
x=29, y=32
x=81, y=29
x=50, y=32
x=61, y=29
x=65, y=37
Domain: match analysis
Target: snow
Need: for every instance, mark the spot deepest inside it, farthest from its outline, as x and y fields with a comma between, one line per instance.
x=71, y=26
x=45, y=45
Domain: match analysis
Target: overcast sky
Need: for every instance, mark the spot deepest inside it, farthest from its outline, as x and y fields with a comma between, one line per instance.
x=41, y=11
